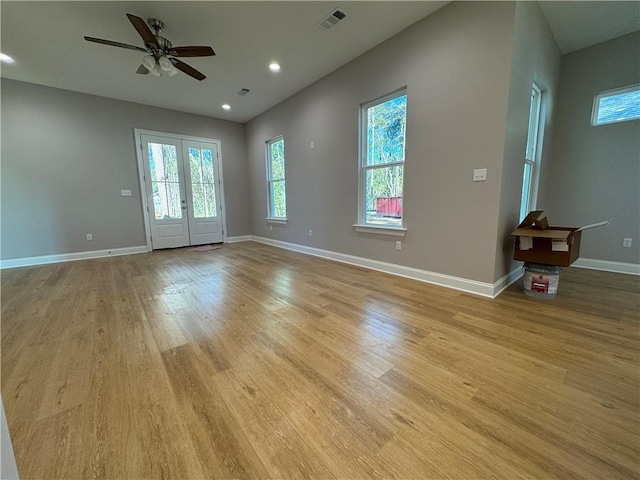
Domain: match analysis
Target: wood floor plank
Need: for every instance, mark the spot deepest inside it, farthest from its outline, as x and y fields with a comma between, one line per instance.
x=256, y=362
x=222, y=446
x=432, y=428
x=272, y=436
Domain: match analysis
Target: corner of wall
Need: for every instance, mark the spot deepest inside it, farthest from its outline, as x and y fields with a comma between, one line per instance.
x=536, y=56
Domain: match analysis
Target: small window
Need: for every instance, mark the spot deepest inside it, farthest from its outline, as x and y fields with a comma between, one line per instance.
x=617, y=105
x=532, y=154
x=383, y=134
x=276, y=184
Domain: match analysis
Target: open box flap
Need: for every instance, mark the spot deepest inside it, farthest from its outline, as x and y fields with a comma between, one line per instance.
x=595, y=225
x=530, y=219
x=534, y=232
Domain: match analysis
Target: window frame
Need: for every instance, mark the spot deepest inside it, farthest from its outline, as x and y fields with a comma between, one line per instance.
x=362, y=225
x=595, y=109
x=270, y=181
x=532, y=155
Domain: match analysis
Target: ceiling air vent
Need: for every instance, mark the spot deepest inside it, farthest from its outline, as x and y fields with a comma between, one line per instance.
x=244, y=91
x=332, y=19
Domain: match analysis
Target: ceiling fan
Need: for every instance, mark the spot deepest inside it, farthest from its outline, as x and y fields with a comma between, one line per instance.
x=161, y=53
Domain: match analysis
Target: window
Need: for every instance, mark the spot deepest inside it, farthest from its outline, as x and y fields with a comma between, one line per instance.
x=383, y=134
x=277, y=200
x=616, y=105
x=532, y=157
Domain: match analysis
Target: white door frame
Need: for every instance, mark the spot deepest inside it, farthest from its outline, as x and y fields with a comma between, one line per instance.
x=138, y=132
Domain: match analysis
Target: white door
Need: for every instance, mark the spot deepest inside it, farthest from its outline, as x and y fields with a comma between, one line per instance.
x=182, y=186
x=164, y=182
x=203, y=192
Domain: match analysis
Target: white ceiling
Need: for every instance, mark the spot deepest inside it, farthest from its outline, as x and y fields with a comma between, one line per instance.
x=577, y=25
x=46, y=40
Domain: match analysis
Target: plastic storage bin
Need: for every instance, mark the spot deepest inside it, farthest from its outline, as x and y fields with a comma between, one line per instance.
x=541, y=281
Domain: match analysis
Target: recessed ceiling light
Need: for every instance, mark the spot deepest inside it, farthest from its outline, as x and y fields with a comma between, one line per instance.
x=274, y=66
x=6, y=58
x=226, y=106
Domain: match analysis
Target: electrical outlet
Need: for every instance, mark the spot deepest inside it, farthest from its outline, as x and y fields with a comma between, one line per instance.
x=311, y=233
x=125, y=193
x=626, y=242
x=311, y=146
x=271, y=228
x=480, y=175
x=398, y=245
x=89, y=236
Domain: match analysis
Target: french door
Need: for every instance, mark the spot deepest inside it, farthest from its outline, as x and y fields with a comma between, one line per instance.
x=182, y=186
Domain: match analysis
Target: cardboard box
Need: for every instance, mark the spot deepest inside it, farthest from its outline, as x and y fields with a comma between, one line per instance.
x=537, y=242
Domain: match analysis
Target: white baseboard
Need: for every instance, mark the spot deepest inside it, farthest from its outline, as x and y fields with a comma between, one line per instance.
x=607, y=266
x=70, y=257
x=507, y=280
x=239, y=238
x=464, y=284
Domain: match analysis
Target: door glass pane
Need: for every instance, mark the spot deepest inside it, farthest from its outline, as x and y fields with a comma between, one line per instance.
x=163, y=164
x=174, y=209
x=211, y=200
x=156, y=162
x=170, y=154
x=383, y=195
x=202, y=182
x=195, y=165
x=199, y=210
x=207, y=167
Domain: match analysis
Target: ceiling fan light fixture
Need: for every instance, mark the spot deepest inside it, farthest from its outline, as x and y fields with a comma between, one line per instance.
x=149, y=62
x=170, y=73
x=165, y=64
x=155, y=70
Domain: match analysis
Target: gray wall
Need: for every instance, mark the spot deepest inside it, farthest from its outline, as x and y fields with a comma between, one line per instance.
x=67, y=155
x=595, y=172
x=536, y=57
x=456, y=65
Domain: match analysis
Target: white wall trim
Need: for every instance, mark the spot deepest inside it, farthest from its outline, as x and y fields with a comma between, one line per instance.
x=464, y=284
x=239, y=238
x=607, y=266
x=507, y=280
x=70, y=257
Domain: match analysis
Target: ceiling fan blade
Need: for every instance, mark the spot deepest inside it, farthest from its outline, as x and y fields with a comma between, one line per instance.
x=143, y=29
x=142, y=70
x=188, y=69
x=115, y=44
x=192, y=51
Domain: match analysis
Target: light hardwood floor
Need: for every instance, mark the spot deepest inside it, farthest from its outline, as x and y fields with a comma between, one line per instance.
x=255, y=362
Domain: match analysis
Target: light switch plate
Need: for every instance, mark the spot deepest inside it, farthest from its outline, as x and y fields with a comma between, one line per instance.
x=125, y=193
x=480, y=175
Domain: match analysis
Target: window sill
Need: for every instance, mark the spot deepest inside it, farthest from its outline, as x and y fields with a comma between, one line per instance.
x=380, y=230
x=277, y=221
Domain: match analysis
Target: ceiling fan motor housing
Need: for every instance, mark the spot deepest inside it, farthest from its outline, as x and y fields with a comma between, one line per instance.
x=162, y=48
